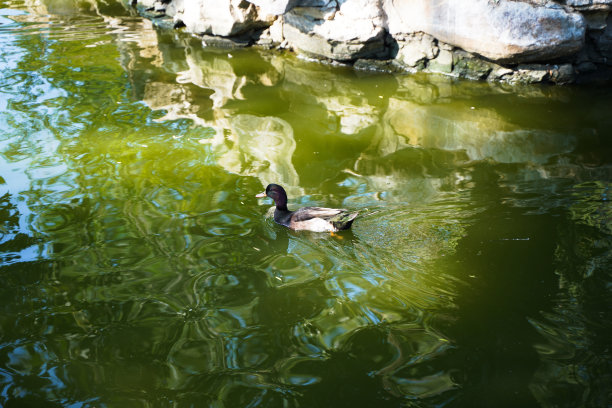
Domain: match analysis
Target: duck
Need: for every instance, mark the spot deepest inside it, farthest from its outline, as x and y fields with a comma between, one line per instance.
x=316, y=219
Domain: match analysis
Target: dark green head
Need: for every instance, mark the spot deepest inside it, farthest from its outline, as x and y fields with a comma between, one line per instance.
x=278, y=194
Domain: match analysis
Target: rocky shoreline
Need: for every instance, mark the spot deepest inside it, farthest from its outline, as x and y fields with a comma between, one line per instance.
x=528, y=41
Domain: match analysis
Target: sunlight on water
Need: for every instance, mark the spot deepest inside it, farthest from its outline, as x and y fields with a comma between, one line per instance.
x=139, y=269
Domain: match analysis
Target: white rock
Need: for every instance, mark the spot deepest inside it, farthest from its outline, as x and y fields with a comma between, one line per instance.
x=219, y=17
x=274, y=7
x=416, y=49
x=507, y=31
x=355, y=30
x=276, y=31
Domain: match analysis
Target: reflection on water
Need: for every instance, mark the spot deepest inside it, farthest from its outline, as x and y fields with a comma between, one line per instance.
x=138, y=269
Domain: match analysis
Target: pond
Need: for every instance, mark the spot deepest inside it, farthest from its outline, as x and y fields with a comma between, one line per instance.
x=139, y=270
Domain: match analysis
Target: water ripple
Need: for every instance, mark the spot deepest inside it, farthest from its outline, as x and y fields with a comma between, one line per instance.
x=138, y=268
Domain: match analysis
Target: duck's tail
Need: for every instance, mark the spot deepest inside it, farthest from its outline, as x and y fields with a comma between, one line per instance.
x=344, y=221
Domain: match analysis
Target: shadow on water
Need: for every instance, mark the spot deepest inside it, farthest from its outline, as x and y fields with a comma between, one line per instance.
x=508, y=257
x=138, y=269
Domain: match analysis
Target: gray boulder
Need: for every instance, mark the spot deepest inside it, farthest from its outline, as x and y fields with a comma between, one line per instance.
x=500, y=30
x=343, y=31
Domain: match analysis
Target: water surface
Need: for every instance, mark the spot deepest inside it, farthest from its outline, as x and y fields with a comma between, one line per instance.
x=139, y=270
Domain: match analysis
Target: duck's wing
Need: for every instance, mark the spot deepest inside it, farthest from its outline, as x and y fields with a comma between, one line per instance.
x=321, y=219
x=308, y=213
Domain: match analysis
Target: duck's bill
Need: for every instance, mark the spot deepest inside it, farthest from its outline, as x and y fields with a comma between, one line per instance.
x=261, y=195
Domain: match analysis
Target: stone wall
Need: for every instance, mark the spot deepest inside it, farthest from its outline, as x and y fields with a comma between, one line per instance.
x=528, y=41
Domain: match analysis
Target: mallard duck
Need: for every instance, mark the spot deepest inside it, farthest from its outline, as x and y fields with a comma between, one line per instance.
x=315, y=219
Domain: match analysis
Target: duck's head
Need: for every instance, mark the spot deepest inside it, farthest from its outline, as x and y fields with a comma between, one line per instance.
x=277, y=193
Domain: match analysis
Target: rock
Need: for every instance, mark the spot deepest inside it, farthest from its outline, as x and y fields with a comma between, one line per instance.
x=375, y=65
x=586, y=67
x=596, y=20
x=276, y=31
x=272, y=36
x=562, y=74
x=530, y=74
x=500, y=73
x=466, y=65
x=443, y=63
x=275, y=7
x=147, y=3
x=225, y=43
x=265, y=40
x=464, y=38
x=604, y=42
x=502, y=30
x=153, y=9
x=594, y=49
x=416, y=49
x=589, y=4
x=355, y=31
x=318, y=46
x=224, y=18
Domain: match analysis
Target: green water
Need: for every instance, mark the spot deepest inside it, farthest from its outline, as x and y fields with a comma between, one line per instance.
x=137, y=268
